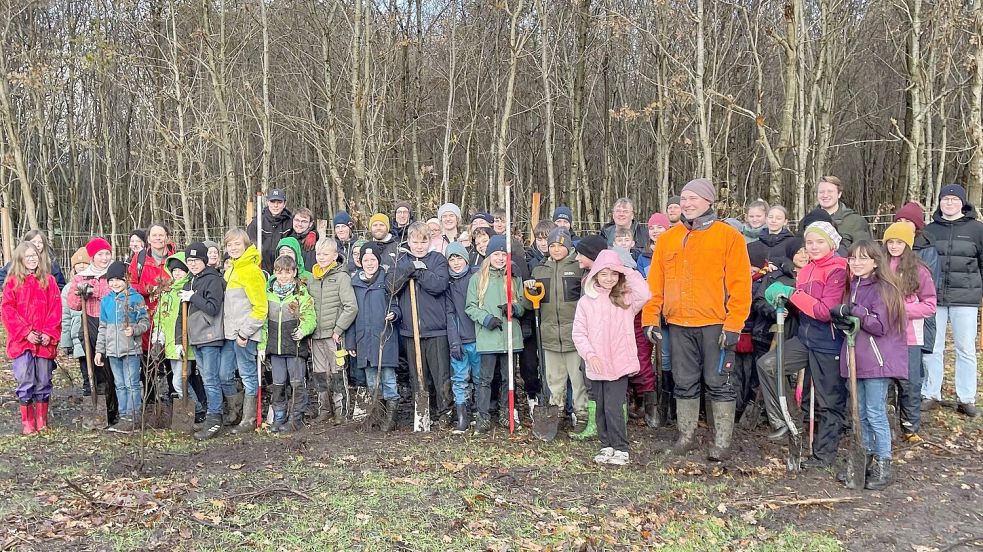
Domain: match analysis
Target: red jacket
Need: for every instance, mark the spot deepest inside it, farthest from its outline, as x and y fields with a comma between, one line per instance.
x=819, y=287
x=28, y=307
x=150, y=281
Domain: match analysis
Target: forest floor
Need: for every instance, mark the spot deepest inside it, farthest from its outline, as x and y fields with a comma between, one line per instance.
x=340, y=488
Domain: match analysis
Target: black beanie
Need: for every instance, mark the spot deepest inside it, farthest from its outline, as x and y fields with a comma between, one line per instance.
x=116, y=271
x=591, y=246
x=816, y=215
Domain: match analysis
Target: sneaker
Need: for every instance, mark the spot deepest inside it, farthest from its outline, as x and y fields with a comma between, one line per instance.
x=619, y=458
x=124, y=425
x=603, y=456
x=968, y=410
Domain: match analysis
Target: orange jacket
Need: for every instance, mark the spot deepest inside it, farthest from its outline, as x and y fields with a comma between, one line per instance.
x=700, y=277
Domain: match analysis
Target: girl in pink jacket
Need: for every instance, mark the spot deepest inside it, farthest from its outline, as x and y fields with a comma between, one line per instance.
x=604, y=334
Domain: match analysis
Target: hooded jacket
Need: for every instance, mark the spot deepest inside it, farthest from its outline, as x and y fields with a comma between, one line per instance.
x=284, y=315
x=150, y=278
x=960, y=246
x=371, y=327
x=604, y=330
x=169, y=311
x=71, y=328
x=819, y=287
x=334, y=300
x=245, y=308
x=206, y=324
x=881, y=349
x=639, y=231
x=851, y=226
x=562, y=283
x=919, y=306
x=294, y=246
x=481, y=309
x=460, y=327
x=431, y=293
x=27, y=307
x=275, y=228
x=771, y=247
x=390, y=249
x=700, y=276
x=116, y=311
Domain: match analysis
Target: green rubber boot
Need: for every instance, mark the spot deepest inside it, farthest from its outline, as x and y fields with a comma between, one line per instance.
x=589, y=432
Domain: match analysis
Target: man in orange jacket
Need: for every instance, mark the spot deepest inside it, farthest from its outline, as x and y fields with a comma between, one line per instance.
x=700, y=280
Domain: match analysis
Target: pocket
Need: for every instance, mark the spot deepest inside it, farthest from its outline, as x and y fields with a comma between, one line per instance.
x=572, y=289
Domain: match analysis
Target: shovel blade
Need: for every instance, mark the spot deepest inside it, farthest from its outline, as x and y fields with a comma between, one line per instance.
x=856, y=469
x=421, y=411
x=546, y=422
x=183, y=416
x=94, y=413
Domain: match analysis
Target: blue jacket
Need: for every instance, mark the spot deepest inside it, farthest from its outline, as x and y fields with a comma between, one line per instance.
x=116, y=311
x=431, y=293
x=363, y=336
x=460, y=327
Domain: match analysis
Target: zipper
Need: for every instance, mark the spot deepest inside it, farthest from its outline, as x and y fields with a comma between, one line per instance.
x=877, y=352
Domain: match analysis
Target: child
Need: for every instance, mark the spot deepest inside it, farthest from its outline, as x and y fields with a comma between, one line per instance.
x=625, y=239
x=291, y=247
x=214, y=255
x=874, y=298
x=71, y=323
x=479, y=245
x=31, y=313
x=169, y=323
x=561, y=276
x=465, y=361
x=291, y=318
x=603, y=331
x=122, y=320
x=918, y=290
x=657, y=225
x=488, y=308
x=244, y=316
x=335, y=304
x=354, y=263
x=428, y=269
x=538, y=251
x=372, y=342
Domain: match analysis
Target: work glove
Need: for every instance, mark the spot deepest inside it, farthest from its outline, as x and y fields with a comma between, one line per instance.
x=261, y=355
x=419, y=265
x=297, y=334
x=778, y=292
x=653, y=334
x=309, y=241
x=530, y=284
x=83, y=290
x=728, y=340
x=457, y=352
x=179, y=349
x=493, y=323
x=625, y=257
x=186, y=295
x=504, y=309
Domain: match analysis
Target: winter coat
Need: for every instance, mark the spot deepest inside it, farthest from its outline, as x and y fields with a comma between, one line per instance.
x=399, y=232
x=764, y=314
x=345, y=249
x=334, y=300
x=483, y=309
x=245, y=308
x=294, y=246
x=26, y=307
x=918, y=306
x=98, y=286
x=150, y=279
x=460, y=327
x=535, y=257
x=960, y=246
x=374, y=303
x=431, y=293
x=275, y=228
x=771, y=247
x=55, y=271
x=116, y=310
x=390, y=249
x=850, y=225
x=562, y=282
x=639, y=230
x=206, y=323
x=700, y=276
x=819, y=287
x=925, y=247
x=308, y=242
x=169, y=313
x=643, y=261
x=604, y=330
x=284, y=315
x=881, y=350
x=71, y=328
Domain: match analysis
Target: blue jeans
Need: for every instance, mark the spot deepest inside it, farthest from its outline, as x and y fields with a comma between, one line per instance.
x=465, y=370
x=129, y=390
x=872, y=399
x=242, y=359
x=178, y=382
x=210, y=367
x=388, y=384
x=964, y=333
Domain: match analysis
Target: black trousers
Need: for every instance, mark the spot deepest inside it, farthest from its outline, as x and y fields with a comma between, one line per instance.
x=610, y=397
x=436, y=356
x=695, y=360
x=831, y=394
x=492, y=364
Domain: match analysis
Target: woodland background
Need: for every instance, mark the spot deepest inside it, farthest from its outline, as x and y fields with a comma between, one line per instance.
x=118, y=112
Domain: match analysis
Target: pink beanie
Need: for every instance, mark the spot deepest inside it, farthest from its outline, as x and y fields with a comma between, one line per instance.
x=659, y=219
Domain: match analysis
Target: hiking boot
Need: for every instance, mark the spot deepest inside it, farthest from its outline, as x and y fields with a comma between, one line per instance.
x=248, y=423
x=232, y=409
x=294, y=424
x=966, y=409
x=604, y=455
x=687, y=416
x=930, y=404
x=912, y=437
x=389, y=423
x=447, y=420
x=880, y=474
x=503, y=418
x=590, y=428
x=841, y=475
x=279, y=418
x=28, y=419
x=212, y=426
x=41, y=413
x=483, y=424
x=816, y=463
x=324, y=411
x=723, y=429
x=463, y=420
x=124, y=425
x=653, y=418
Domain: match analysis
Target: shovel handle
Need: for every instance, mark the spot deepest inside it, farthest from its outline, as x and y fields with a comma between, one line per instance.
x=534, y=294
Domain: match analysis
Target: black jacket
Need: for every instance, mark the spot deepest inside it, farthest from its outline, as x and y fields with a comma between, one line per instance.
x=960, y=246
x=770, y=247
x=205, y=324
x=309, y=254
x=764, y=314
x=274, y=229
x=460, y=327
x=431, y=293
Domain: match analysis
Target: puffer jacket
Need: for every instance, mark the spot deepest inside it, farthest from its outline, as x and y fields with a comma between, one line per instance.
x=334, y=300
x=116, y=311
x=562, y=282
x=460, y=327
x=169, y=312
x=881, y=350
x=26, y=307
x=431, y=293
x=206, y=324
x=245, y=297
x=770, y=247
x=850, y=225
x=604, y=330
x=71, y=328
x=483, y=309
x=919, y=306
x=960, y=246
x=286, y=314
x=819, y=287
x=374, y=303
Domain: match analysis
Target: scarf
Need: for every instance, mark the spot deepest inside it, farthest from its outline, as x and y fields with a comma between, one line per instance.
x=368, y=279
x=92, y=271
x=282, y=290
x=319, y=272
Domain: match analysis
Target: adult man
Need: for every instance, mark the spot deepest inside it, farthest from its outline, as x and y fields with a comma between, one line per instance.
x=959, y=239
x=344, y=234
x=449, y=217
x=379, y=228
x=303, y=229
x=673, y=210
x=623, y=216
x=404, y=218
x=700, y=280
x=851, y=226
x=277, y=224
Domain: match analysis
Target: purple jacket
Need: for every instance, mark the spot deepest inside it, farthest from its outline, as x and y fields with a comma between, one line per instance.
x=882, y=350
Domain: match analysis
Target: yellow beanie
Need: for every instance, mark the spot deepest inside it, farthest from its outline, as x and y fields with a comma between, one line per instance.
x=379, y=217
x=900, y=231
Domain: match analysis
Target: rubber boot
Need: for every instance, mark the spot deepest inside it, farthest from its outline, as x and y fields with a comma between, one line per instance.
x=248, y=423
x=324, y=412
x=41, y=412
x=653, y=418
x=294, y=424
x=483, y=423
x=590, y=431
x=880, y=474
x=211, y=428
x=687, y=416
x=463, y=420
x=723, y=429
x=27, y=419
x=389, y=423
x=232, y=409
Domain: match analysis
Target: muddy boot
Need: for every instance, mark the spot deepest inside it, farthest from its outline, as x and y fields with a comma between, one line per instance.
x=389, y=423
x=463, y=419
x=212, y=426
x=248, y=423
x=324, y=412
x=880, y=474
x=41, y=414
x=687, y=416
x=590, y=428
x=723, y=424
x=232, y=409
x=653, y=418
x=95, y=416
x=28, y=419
x=483, y=423
x=294, y=424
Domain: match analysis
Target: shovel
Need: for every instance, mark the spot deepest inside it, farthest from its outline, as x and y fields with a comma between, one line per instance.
x=183, y=412
x=794, y=459
x=94, y=415
x=545, y=417
x=856, y=467
x=421, y=399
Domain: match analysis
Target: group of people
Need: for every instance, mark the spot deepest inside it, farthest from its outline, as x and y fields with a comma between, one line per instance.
x=361, y=311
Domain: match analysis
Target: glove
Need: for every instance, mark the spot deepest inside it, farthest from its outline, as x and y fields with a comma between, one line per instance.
x=309, y=241
x=83, y=290
x=493, y=323
x=457, y=353
x=778, y=291
x=728, y=340
x=625, y=257
x=261, y=355
x=529, y=284
x=504, y=309
x=186, y=295
x=653, y=334
x=419, y=265
x=297, y=334
x=179, y=349
x=841, y=311
x=157, y=338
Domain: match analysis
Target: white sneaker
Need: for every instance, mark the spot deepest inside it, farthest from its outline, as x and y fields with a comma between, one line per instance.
x=619, y=458
x=604, y=456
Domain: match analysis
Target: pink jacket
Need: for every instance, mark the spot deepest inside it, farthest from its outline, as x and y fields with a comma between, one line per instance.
x=919, y=305
x=607, y=331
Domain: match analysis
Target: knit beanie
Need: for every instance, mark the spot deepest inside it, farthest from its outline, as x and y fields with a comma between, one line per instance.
x=816, y=215
x=483, y=216
x=913, y=212
x=342, y=217
x=563, y=213
x=659, y=219
x=404, y=204
x=96, y=245
x=379, y=217
x=81, y=256
x=496, y=243
x=140, y=233
x=591, y=246
x=953, y=190
x=560, y=236
x=449, y=208
x=826, y=231
x=456, y=248
x=703, y=188
x=792, y=246
x=900, y=231
x=210, y=244
x=116, y=271
x=371, y=248
x=674, y=200
x=197, y=250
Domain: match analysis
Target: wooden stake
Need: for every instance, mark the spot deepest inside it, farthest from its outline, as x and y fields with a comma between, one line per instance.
x=8, y=234
x=250, y=209
x=534, y=218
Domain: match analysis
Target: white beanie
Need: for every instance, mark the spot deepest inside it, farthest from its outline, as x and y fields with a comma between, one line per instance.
x=449, y=208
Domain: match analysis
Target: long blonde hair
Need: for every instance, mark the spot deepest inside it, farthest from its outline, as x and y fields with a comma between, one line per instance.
x=483, y=280
x=19, y=271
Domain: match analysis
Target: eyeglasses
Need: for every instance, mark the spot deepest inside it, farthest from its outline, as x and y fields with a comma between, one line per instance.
x=950, y=199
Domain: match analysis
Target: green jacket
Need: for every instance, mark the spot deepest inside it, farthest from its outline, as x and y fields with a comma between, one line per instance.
x=562, y=281
x=285, y=315
x=493, y=341
x=293, y=244
x=168, y=311
x=851, y=226
x=334, y=300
